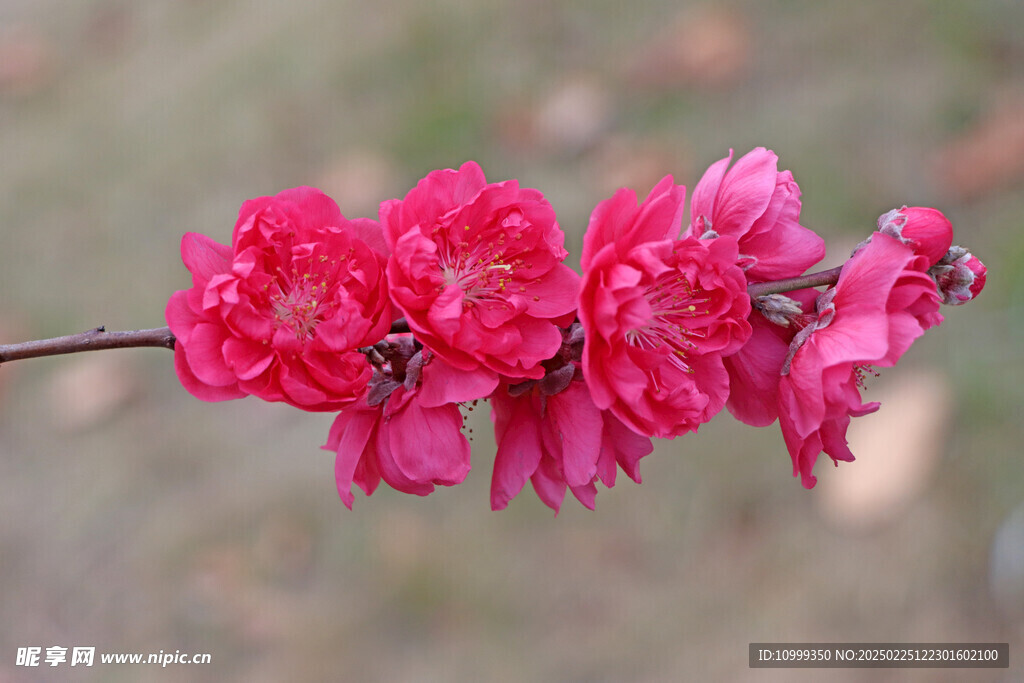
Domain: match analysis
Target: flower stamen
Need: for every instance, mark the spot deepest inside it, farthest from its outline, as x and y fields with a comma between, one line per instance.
x=481, y=272
x=674, y=304
x=299, y=302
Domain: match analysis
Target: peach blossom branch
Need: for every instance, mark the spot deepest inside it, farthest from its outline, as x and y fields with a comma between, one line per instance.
x=98, y=338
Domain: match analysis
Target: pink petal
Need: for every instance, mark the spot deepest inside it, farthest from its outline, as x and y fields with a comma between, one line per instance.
x=745, y=192
x=628, y=447
x=246, y=358
x=803, y=247
x=660, y=216
x=519, y=448
x=446, y=311
x=391, y=472
x=801, y=395
x=586, y=494
x=196, y=387
x=609, y=220
x=204, y=258
x=205, y=353
x=427, y=443
x=702, y=203
x=368, y=231
x=442, y=383
x=754, y=373
x=348, y=437
x=930, y=232
x=555, y=295
x=315, y=210
x=868, y=277
x=180, y=316
x=549, y=485
x=578, y=425
x=494, y=314
x=296, y=385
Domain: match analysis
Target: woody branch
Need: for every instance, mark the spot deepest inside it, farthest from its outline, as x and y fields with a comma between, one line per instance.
x=99, y=338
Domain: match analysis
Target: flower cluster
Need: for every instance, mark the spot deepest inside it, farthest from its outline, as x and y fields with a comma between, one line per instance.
x=460, y=294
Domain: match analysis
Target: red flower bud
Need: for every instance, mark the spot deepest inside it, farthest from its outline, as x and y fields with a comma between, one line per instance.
x=960, y=276
x=927, y=231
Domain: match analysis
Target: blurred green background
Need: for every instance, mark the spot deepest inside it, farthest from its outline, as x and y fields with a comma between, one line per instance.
x=136, y=518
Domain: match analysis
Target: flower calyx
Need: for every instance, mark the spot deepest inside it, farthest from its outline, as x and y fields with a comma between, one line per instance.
x=559, y=370
x=826, y=313
x=397, y=361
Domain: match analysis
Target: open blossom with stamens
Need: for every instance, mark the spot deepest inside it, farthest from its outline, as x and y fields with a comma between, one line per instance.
x=659, y=313
x=280, y=313
x=477, y=270
x=760, y=206
x=883, y=301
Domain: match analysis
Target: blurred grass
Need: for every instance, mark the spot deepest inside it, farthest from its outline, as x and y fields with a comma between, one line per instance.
x=171, y=524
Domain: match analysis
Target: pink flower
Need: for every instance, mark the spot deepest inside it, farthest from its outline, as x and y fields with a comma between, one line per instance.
x=477, y=270
x=960, y=276
x=883, y=301
x=558, y=440
x=411, y=446
x=760, y=207
x=394, y=433
x=927, y=231
x=659, y=312
x=280, y=314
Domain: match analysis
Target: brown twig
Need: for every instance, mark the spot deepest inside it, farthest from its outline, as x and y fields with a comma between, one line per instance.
x=91, y=340
x=825, y=277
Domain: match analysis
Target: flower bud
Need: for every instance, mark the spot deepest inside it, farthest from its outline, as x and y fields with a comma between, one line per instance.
x=960, y=276
x=927, y=231
x=778, y=308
